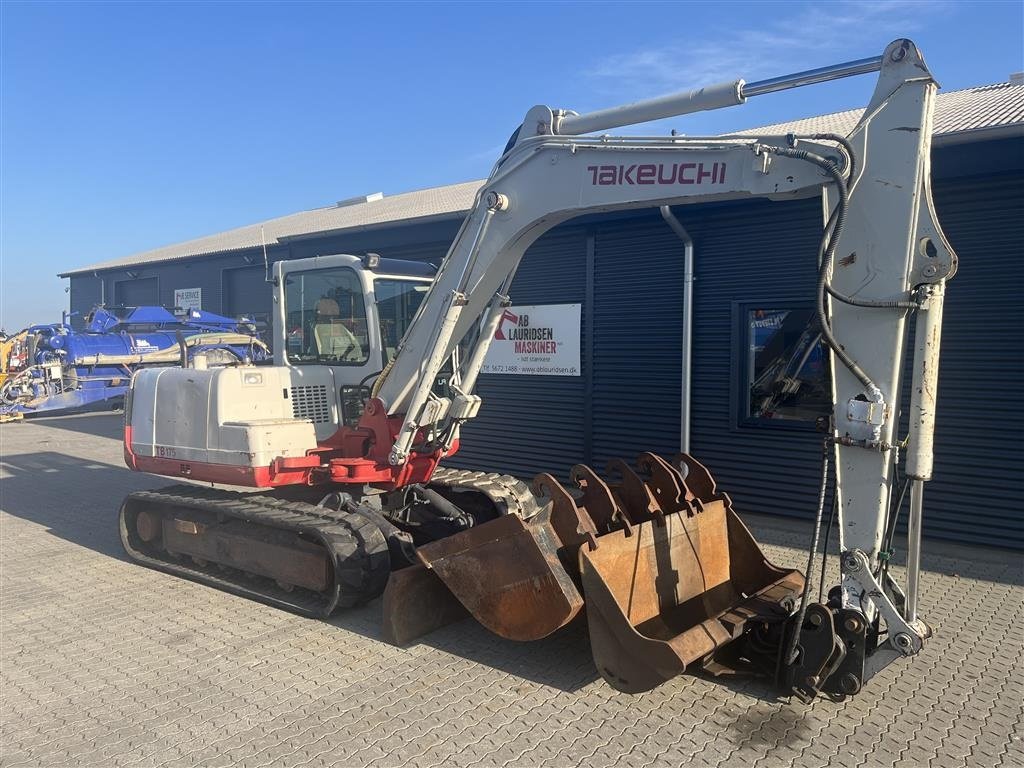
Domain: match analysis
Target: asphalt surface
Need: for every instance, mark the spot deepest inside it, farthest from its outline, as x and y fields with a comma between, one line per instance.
x=106, y=663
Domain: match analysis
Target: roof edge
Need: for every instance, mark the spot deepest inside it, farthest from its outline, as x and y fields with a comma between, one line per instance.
x=429, y=219
x=987, y=133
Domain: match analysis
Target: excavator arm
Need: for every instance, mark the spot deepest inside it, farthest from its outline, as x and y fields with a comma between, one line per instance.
x=883, y=259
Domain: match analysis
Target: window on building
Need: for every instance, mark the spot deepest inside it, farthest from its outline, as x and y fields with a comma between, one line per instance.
x=326, y=317
x=784, y=371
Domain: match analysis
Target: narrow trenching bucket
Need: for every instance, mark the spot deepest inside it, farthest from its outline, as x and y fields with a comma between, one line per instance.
x=668, y=573
x=669, y=596
x=674, y=592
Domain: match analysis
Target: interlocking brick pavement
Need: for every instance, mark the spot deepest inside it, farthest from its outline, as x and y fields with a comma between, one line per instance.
x=106, y=663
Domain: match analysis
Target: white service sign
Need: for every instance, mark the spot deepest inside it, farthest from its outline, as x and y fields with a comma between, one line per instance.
x=538, y=340
x=188, y=298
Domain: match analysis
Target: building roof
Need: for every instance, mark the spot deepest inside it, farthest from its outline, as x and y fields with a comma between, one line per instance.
x=959, y=116
x=410, y=207
x=971, y=114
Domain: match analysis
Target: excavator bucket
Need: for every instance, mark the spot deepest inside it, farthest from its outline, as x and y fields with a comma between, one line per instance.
x=508, y=575
x=671, y=578
x=678, y=591
x=680, y=583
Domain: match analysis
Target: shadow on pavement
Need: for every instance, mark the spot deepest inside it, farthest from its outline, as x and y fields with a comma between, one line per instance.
x=561, y=660
x=74, y=499
x=101, y=424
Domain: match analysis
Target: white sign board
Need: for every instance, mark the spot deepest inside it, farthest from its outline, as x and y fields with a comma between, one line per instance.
x=188, y=298
x=539, y=340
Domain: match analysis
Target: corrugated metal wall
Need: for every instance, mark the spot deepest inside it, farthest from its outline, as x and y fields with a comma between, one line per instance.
x=137, y=293
x=210, y=274
x=638, y=311
x=760, y=253
x=232, y=283
x=765, y=253
x=628, y=399
x=246, y=292
x=85, y=293
x=977, y=491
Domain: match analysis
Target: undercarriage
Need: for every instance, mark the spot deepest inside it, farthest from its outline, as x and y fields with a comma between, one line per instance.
x=671, y=578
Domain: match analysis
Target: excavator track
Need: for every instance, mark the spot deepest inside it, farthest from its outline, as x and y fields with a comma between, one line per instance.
x=289, y=554
x=509, y=495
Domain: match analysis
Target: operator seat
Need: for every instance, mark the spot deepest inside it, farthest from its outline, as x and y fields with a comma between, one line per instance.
x=332, y=337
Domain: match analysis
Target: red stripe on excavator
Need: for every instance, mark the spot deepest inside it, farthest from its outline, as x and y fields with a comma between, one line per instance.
x=225, y=474
x=320, y=467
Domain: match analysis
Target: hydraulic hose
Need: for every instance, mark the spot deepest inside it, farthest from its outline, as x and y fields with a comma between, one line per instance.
x=845, y=142
x=447, y=508
x=872, y=304
x=381, y=377
x=794, y=638
x=828, y=256
x=824, y=547
x=855, y=302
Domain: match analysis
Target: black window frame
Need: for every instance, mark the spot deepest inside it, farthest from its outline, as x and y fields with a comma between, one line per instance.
x=740, y=390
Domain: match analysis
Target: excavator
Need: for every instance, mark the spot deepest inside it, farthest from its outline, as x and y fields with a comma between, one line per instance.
x=338, y=448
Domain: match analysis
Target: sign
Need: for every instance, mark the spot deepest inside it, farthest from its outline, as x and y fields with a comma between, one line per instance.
x=188, y=298
x=539, y=340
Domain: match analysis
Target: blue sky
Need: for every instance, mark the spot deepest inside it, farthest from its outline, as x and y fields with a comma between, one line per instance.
x=130, y=126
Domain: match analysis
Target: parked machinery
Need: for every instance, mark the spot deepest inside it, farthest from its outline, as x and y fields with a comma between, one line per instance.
x=346, y=431
x=56, y=368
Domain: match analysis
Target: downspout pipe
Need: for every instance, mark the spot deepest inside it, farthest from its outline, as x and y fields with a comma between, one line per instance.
x=687, y=353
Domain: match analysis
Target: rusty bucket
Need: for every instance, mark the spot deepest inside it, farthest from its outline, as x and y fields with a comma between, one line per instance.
x=668, y=573
x=507, y=573
x=675, y=591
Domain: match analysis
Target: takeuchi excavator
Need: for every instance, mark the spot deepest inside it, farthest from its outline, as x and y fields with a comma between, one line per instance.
x=376, y=361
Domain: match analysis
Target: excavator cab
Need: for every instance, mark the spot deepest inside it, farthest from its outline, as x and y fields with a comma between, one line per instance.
x=336, y=318
x=337, y=310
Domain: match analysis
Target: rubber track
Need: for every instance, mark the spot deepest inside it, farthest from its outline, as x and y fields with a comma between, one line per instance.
x=358, y=549
x=510, y=495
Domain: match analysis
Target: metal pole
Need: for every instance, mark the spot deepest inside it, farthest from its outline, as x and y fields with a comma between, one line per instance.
x=914, y=548
x=716, y=96
x=812, y=76
x=687, y=353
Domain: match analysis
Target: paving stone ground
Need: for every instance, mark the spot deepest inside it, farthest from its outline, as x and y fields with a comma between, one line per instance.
x=106, y=663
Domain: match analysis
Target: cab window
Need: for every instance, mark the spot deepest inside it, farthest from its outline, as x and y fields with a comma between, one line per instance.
x=397, y=302
x=325, y=317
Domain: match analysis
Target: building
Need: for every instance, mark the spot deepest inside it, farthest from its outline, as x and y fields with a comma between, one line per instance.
x=754, y=268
